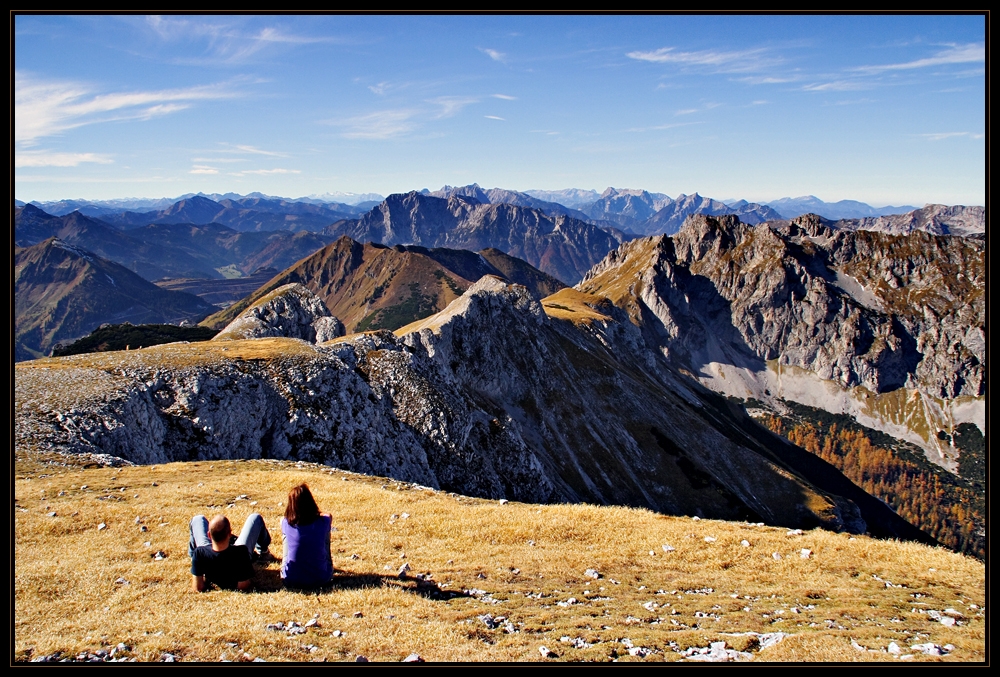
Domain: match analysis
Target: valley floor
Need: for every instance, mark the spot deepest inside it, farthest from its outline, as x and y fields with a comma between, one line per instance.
x=487, y=580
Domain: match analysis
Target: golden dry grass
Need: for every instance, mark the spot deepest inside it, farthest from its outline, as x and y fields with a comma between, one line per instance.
x=179, y=355
x=528, y=561
x=575, y=306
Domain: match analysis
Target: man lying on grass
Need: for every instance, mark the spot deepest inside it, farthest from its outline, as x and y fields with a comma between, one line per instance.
x=225, y=560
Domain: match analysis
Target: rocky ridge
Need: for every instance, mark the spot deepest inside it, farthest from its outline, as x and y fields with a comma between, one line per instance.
x=510, y=197
x=290, y=311
x=846, y=321
x=473, y=400
x=561, y=246
x=934, y=219
x=371, y=286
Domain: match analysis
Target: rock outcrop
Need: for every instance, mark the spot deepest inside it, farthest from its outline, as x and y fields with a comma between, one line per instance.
x=371, y=286
x=290, y=311
x=933, y=219
x=797, y=309
x=497, y=396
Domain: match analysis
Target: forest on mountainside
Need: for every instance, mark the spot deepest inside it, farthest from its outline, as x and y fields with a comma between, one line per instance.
x=949, y=508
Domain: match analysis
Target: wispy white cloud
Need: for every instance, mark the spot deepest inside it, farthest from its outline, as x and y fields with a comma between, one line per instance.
x=714, y=60
x=452, y=105
x=940, y=136
x=398, y=122
x=243, y=148
x=87, y=178
x=227, y=42
x=838, y=86
x=494, y=117
x=954, y=54
x=266, y=172
x=494, y=54
x=662, y=127
x=278, y=35
x=385, y=124
x=766, y=79
x=203, y=169
x=853, y=102
x=218, y=159
x=505, y=97
x=44, y=158
x=705, y=106
x=379, y=88
x=46, y=108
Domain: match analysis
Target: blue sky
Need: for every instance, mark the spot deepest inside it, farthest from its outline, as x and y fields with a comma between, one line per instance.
x=883, y=109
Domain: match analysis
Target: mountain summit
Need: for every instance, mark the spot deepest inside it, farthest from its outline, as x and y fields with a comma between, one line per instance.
x=561, y=246
x=889, y=328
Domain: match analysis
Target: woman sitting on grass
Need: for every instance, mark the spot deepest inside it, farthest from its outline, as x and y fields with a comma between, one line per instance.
x=306, y=531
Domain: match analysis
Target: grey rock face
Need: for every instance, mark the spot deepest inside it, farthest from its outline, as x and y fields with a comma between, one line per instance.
x=934, y=219
x=669, y=219
x=490, y=397
x=626, y=207
x=887, y=328
x=559, y=245
x=863, y=308
x=291, y=311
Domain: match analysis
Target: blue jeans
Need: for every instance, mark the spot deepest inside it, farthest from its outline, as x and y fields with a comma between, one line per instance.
x=254, y=535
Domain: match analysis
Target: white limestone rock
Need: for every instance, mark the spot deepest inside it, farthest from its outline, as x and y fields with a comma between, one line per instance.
x=291, y=311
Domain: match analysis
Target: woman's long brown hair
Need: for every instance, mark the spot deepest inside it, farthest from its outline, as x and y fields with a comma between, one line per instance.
x=301, y=509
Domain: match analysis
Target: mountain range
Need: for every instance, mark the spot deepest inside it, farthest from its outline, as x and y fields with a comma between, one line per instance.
x=561, y=246
x=62, y=293
x=170, y=250
x=469, y=365
x=620, y=206
x=888, y=328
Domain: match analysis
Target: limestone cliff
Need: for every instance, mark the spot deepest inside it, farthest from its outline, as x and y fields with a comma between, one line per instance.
x=888, y=327
x=290, y=311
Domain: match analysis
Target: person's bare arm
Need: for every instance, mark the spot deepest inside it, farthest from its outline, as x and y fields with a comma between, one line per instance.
x=243, y=586
x=198, y=583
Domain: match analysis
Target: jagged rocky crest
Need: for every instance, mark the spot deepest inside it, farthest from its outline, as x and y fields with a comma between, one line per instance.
x=862, y=309
x=934, y=219
x=491, y=397
x=290, y=311
x=558, y=245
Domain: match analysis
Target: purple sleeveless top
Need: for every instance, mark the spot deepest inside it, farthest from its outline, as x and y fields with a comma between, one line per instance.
x=308, y=562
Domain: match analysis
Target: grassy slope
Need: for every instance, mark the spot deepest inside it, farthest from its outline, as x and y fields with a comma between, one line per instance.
x=130, y=336
x=67, y=598
x=375, y=291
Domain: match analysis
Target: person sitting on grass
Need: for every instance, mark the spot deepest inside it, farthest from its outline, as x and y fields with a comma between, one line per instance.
x=220, y=558
x=306, y=561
